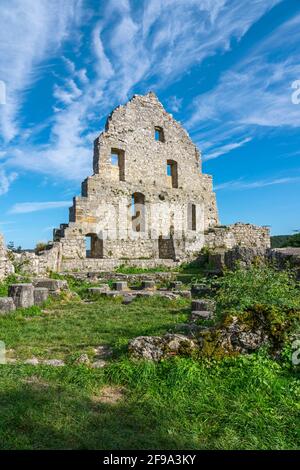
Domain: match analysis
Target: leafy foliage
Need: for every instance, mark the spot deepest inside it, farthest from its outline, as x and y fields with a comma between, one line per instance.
x=262, y=284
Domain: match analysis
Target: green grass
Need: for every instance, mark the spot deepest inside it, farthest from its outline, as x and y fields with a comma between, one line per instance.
x=67, y=328
x=247, y=402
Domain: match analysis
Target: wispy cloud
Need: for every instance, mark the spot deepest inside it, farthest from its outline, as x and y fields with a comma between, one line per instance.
x=238, y=185
x=225, y=149
x=256, y=93
x=6, y=179
x=30, y=32
x=26, y=207
x=154, y=44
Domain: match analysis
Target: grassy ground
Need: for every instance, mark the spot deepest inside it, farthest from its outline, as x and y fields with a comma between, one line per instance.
x=249, y=402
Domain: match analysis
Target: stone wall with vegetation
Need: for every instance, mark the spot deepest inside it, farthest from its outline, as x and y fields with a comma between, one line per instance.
x=239, y=234
x=104, y=209
x=6, y=266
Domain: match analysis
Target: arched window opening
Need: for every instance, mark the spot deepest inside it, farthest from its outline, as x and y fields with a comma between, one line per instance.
x=192, y=217
x=94, y=246
x=172, y=174
x=138, y=212
x=159, y=134
x=117, y=159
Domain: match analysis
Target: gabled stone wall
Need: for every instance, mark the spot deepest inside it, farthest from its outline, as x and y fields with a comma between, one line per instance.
x=104, y=209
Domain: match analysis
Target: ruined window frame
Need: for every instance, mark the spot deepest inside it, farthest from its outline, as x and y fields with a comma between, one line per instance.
x=173, y=165
x=120, y=154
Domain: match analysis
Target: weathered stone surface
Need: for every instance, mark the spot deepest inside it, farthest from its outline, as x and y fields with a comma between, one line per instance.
x=186, y=294
x=127, y=299
x=83, y=359
x=233, y=338
x=239, y=234
x=99, y=364
x=40, y=294
x=175, y=284
x=200, y=290
x=147, y=347
x=244, y=255
x=286, y=257
x=203, y=305
x=32, y=361
x=120, y=286
x=6, y=266
x=200, y=315
x=188, y=329
x=52, y=284
x=54, y=362
x=6, y=305
x=98, y=290
x=148, y=284
x=22, y=294
x=155, y=348
x=184, y=204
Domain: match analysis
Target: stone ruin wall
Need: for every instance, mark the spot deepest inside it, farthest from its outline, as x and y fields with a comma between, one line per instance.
x=106, y=197
x=104, y=207
x=6, y=266
x=238, y=234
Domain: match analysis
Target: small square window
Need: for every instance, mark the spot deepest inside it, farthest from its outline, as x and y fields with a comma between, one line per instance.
x=159, y=134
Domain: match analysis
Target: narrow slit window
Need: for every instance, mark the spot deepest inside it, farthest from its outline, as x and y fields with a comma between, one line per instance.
x=138, y=212
x=172, y=173
x=117, y=159
x=192, y=217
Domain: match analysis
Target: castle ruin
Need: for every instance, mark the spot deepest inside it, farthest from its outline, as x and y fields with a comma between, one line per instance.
x=147, y=203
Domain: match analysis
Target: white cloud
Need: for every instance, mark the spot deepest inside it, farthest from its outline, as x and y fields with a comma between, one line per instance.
x=26, y=207
x=6, y=180
x=225, y=149
x=255, y=94
x=238, y=185
x=30, y=32
x=155, y=43
x=174, y=103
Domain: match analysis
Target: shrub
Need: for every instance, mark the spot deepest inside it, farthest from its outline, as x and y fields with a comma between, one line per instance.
x=263, y=284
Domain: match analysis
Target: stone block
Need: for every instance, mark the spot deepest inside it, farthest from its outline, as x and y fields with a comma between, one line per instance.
x=201, y=305
x=200, y=289
x=148, y=284
x=6, y=305
x=200, y=315
x=186, y=294
x=40, y=295
x=98, y=290
x=22, y=294
x=175, y=285
x=52, y=284
x=120, y=285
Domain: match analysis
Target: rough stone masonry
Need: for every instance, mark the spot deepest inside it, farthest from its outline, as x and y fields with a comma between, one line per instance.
x=148, y=202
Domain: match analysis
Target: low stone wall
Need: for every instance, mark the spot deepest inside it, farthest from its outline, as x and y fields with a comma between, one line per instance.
x=244, y=235
x=6, y=266
x=42, y=263
x=107, y=264
x=54, y=258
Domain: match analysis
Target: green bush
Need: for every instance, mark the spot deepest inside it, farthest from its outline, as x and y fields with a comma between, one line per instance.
x=263, y=284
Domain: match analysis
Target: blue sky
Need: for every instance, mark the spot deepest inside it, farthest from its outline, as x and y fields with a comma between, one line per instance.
x=223, y=68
